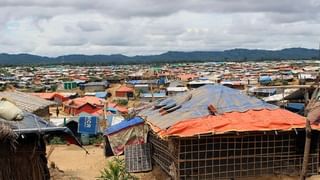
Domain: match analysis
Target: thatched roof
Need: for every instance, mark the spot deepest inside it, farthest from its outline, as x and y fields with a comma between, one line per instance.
x=23, y=151
x=21, y=158
x=7, y=136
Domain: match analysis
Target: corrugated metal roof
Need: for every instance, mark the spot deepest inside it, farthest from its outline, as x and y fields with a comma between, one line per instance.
x=25, y=101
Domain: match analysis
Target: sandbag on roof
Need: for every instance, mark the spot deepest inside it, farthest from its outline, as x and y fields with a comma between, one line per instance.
x=10, y=111
x=195, y=104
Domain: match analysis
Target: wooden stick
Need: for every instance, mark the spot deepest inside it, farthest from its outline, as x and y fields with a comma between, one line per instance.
x=304, y=169
x=306, y=152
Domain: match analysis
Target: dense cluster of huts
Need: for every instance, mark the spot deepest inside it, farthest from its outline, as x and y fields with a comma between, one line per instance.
x=194, y=74
x=202, y=120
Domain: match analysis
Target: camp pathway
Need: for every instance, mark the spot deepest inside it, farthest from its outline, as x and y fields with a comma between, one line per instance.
x=76, y=163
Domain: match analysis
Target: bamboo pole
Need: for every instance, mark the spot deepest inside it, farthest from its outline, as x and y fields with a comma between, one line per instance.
x=304, y=169
x=306, y=152
x=152, y=98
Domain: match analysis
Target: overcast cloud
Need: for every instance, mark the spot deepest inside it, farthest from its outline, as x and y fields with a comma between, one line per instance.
x=57, y=27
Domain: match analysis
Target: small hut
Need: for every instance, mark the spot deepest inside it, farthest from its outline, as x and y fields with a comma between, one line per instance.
x=29, y=103
x=215, y=132
x=95, y=86
x=23, y=149
x=124, y=92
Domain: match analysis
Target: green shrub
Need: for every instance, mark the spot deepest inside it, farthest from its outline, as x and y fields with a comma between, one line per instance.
x=116, y=170
x=57, y=140
x=284, y=82
x=122, y=102
x=96, y=140
x=53, y=87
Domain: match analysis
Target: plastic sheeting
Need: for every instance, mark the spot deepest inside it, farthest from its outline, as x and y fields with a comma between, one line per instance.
x=114, y=119
x=130, y=136
x=101, y=95
x=28, y=123
x=265, y=79
x=295, y=107
x=31, y=124
x=263, y=120
x=123, y=124
x=194, y=104
x=134, y=82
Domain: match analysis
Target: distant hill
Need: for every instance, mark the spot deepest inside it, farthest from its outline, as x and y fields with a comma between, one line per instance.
x=168, y=57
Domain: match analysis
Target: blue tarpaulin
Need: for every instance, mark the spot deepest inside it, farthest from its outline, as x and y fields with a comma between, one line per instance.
x=163, y=80
x=113, y=110
x=101, y=95
x=124, y=124
x=88, y=125
x=295, y=107
x=265, y=79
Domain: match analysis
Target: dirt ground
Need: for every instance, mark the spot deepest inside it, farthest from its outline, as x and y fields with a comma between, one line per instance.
x=73, y=163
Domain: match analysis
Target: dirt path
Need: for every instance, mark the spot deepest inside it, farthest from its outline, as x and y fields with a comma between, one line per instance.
x=75, y=162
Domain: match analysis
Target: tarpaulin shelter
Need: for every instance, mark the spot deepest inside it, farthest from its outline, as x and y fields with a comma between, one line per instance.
x=127, y=132
x=53, y=96
x=102, y=95
x=265, y=79
x=124, y=92
x=23, y=149
x=215, y=132
x=88, y=104
x=114, y=119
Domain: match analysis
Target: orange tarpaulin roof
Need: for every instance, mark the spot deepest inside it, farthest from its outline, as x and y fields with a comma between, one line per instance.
x=186, y=77
x=124, y=89
x=252, y=120
x=78, y=102
x=121, y=109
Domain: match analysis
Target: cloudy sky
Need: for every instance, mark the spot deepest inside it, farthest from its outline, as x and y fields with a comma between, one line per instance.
x=57, y=27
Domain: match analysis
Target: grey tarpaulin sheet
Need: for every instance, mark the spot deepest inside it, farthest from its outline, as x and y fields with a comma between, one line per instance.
x=34, y=124
x=194, y=104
